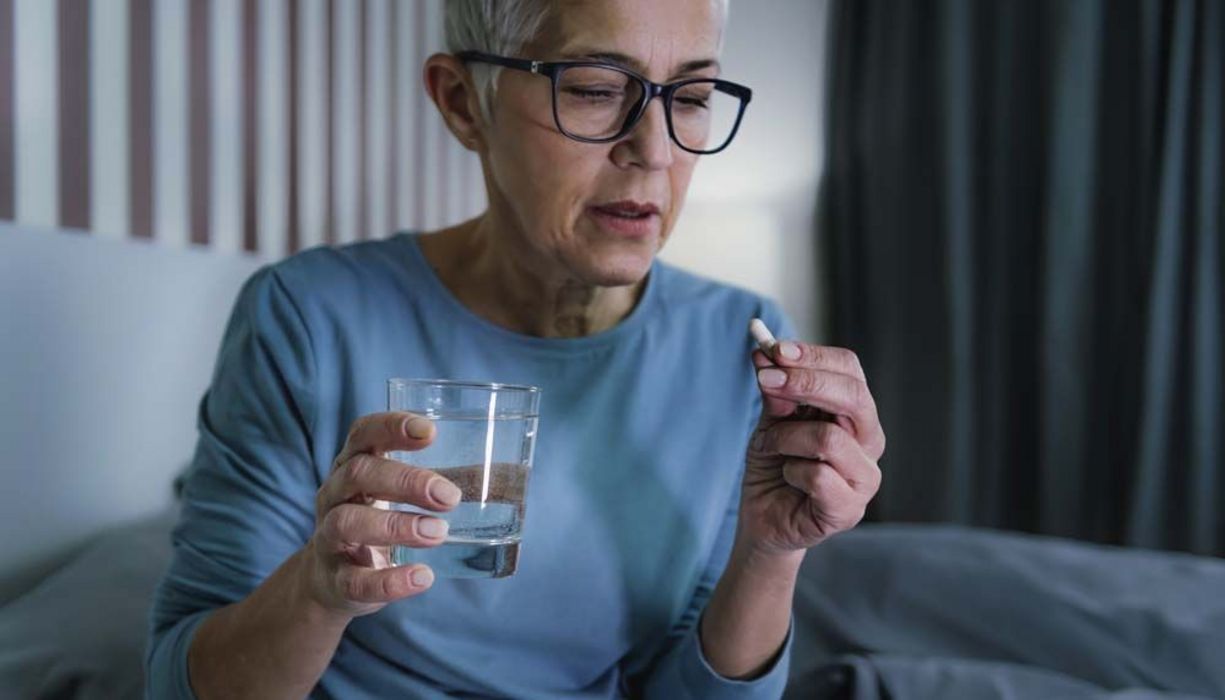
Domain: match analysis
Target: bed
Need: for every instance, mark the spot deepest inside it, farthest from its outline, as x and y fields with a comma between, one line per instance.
x=885, y=611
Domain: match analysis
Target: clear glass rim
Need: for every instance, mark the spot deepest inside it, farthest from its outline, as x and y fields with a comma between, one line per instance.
x=460, y=384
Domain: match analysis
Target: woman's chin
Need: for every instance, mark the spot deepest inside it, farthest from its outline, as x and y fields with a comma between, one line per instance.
x=615, y=261
x=616, y=269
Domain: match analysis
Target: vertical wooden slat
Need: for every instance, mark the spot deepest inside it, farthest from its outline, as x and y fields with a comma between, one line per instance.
x=108, y=118
x=8, y=111
x=272, y=135
x=420, y=123
x=172, y=104
x=377, y=148
x=346, y=93
x=74, y=113
x=36, y=126
x=224, y=117
x=250, y=124
x=329, y=97
x=292, y=88
x=393, y=102
x=407, y=157
x=312, y=115
x=140, y=118
x=201, y=145
x=363, y=107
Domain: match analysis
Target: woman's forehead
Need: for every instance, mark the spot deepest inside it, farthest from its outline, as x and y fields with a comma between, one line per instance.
x=666, y=37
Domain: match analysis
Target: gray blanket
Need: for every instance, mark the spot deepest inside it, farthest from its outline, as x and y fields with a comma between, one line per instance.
x=882, y=612
x=944, y=612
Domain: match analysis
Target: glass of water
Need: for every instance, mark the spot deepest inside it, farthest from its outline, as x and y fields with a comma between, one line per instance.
x=484, y=440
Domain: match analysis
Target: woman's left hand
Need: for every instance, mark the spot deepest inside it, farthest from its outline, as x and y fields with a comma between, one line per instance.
x=812, y=461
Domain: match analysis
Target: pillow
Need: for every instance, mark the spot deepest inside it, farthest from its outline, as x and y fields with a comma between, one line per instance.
x=81, y=632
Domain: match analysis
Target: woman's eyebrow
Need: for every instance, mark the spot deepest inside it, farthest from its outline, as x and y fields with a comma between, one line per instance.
x=634, y=64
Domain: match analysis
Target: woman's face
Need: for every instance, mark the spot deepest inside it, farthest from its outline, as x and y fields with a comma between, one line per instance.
x=569, y=201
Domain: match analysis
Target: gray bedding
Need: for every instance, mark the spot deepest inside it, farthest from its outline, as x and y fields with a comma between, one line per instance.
x=881, y=612
x=946, y=612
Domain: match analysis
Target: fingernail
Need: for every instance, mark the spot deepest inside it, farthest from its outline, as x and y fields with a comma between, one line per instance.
x=772, y=378
x=422, y=577
x=433, y=527
x=418, y=427
x=789, y=350
x=445, y=492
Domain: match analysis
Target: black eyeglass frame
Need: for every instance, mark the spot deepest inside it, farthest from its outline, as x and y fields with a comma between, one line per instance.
x=650, y=90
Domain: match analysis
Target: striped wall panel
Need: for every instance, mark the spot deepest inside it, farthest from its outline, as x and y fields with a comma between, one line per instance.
x=264, y=126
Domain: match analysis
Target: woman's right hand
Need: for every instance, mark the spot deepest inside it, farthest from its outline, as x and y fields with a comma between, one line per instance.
x=348, y=561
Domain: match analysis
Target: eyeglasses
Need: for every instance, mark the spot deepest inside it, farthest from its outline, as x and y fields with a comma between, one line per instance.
x=599, y=102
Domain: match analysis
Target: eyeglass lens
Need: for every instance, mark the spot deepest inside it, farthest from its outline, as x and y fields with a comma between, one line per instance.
x=594, y=102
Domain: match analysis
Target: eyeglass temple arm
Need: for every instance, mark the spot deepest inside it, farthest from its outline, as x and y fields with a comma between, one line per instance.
x=516, y=63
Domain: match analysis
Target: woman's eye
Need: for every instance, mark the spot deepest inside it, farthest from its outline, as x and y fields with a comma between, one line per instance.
x=594, y=94
x=693, y=102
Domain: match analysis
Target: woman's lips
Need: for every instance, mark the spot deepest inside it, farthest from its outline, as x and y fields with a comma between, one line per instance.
x=624, y=223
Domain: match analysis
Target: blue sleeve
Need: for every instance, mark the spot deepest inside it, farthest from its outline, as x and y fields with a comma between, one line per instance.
x=248, y=503
x=684, y=671
x=779, y=322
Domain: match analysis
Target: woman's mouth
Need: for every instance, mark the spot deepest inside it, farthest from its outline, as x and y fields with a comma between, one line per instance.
x=626, y=218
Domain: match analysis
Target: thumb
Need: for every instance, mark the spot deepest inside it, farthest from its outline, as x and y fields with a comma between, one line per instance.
x=773, y=408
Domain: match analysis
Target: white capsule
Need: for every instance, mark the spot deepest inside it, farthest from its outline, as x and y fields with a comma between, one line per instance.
x=765, y=339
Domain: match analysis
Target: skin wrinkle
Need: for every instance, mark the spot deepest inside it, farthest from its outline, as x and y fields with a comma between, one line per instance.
x=523, y=263
x=573, y=300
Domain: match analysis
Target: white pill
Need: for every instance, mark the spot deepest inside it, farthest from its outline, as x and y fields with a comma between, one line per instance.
x=765, y=339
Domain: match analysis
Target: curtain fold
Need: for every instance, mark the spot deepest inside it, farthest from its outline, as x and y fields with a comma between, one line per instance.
x=1022, y=213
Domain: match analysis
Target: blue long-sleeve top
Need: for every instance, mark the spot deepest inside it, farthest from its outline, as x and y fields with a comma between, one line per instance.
x=631, y=504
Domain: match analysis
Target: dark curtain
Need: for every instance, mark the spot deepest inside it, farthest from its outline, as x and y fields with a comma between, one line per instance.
x=1022, y=219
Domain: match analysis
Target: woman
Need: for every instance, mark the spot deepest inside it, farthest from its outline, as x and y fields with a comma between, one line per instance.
x=658, y=559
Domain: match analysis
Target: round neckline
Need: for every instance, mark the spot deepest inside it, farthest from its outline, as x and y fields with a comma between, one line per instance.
x=628, y=325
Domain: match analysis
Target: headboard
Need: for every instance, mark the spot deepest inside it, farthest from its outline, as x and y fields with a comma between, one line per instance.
x=106, y=347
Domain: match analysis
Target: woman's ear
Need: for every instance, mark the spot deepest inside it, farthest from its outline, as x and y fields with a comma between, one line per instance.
x=450, y=86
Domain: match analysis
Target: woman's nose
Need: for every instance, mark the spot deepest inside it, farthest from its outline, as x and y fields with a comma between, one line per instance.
x=648, y=144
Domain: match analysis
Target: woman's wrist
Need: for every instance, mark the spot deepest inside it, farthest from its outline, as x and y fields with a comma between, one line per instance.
x=302, y=595
x=274, y=643
x=770, y=567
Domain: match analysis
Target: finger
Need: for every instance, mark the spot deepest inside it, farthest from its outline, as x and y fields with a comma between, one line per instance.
x=837, y=502
x=818, y=480
x=772, y=406
x=384, y=432
x=776, y=407
x=371, y=476
x=363, y=555
x=353, y=523
x=836, y=393
x=825, y=442
x=760, y=360
x=359, y=584
x=791, y=353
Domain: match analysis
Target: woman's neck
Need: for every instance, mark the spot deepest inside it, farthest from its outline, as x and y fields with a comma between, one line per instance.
x=489, y=276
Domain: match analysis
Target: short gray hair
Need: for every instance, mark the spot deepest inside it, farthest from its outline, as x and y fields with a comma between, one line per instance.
x=500, y=27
